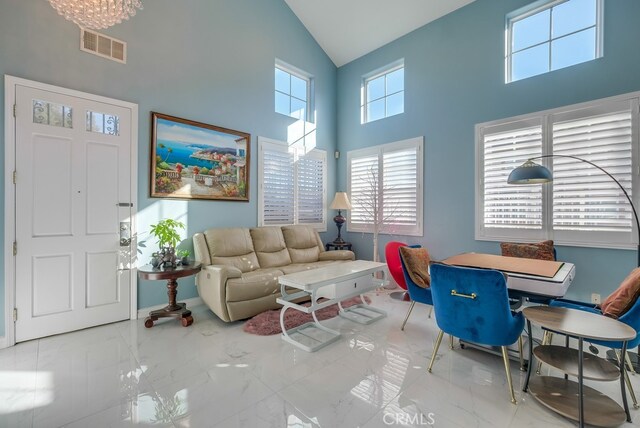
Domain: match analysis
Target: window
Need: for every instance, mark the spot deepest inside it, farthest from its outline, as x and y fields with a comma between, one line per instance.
x=293, y=92
x=385, y=188
x=102, y=123
x=46, y=113
x=551, y=36
x=583, y=206
x=292, y=185
x=383, y=93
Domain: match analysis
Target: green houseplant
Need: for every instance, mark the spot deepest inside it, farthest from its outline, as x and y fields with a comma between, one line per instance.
x=166, y=233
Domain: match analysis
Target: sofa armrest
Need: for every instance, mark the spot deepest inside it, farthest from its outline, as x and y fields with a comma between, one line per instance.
x=337, y=255
x=201, y=249
x=211, y=282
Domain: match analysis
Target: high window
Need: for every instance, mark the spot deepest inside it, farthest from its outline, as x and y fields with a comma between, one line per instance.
x=385, y=188
x=550, y=35
x=383, y=93
x=292, y=185
x=293, y=92
x=583, y=206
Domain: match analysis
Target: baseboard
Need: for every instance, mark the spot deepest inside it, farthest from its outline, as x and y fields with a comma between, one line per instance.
x=3, y=342
x=144, y=312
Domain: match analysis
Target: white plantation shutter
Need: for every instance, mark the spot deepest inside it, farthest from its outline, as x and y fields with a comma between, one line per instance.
x=509, y=206
x=584, y=198
x=311, y=173
x=387, y=180
x=583, y=206
x=291, y=188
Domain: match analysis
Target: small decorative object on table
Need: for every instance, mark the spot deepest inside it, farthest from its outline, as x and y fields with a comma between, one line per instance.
x=166, y=232
x=184, y=256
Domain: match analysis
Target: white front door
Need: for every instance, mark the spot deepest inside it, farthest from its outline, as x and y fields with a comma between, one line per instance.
x=73, y=211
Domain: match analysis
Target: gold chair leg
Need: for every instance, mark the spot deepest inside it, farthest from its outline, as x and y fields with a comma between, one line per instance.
x=546, y=340
x=521, y=353
x=430, y=310
x=505, y=357
x=413, y=303
x=450, y=342
x=627, y=380
x=435, y=350
x=629, y=363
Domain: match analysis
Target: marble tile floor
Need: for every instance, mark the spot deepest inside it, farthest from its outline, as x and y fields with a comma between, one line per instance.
x=212, y=374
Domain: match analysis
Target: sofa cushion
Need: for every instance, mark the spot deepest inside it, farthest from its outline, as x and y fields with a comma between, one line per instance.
x=232, y=247
x=303, y=243
x=541, y=250
x=297, y=267
x=268, y=243
x=621, y=300
x=253, y=285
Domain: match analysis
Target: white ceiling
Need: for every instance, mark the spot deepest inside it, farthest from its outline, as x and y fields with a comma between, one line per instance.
x=349, y=29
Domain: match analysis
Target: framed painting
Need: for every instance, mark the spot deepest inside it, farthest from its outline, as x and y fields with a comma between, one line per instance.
x=192, y=160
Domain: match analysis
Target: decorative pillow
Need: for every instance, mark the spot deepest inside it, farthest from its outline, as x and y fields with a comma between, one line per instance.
x=541, y=251
x=416, y=261
x=621, y=300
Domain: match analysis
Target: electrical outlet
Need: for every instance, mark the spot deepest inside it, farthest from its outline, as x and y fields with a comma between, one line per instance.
x=595, y=298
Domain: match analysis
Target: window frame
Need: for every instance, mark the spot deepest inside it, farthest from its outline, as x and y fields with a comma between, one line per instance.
x=545, y=118
x=534, y=8
x=310, y=83
x=380, y=72
x=276, y=145
x=380, y=150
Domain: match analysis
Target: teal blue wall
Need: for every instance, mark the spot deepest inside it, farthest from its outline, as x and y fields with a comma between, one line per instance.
x=454, y=79
x=206, y=60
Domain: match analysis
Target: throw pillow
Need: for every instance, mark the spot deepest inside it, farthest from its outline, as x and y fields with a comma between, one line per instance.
x=621, y=300
x=416, y=260
x=541, y=251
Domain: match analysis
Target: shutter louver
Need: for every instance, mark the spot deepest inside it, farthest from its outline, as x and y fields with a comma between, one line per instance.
x=584, y=198
x=400, y=187
x=310, y=182
x=505, y=205
x=364, y=192
x=278, y=187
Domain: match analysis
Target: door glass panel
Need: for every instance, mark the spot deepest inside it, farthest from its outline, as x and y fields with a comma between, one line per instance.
x=102, y=123
x=52, y=114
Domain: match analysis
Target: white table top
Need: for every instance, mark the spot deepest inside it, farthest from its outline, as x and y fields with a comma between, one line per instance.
x=319, y=277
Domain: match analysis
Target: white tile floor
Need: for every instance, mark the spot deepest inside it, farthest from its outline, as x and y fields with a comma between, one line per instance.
x=213, y=374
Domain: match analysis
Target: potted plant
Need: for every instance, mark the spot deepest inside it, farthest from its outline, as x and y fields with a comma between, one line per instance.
x=166, y=233
x=184, y=256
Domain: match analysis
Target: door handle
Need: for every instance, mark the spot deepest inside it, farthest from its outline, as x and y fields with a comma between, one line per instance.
x=125, y=234
x=124, y=204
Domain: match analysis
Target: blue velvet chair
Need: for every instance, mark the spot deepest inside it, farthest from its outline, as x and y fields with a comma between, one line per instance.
x=631, y=318
x=473, y=305
x=416, y=293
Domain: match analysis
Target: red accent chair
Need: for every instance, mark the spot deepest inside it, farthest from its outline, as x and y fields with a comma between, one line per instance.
x=392, y=256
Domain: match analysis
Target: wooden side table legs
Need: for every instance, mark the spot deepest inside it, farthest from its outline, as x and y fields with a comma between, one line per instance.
x=173, y=309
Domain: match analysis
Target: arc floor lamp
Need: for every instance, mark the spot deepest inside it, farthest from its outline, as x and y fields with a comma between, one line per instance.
x=533, y=173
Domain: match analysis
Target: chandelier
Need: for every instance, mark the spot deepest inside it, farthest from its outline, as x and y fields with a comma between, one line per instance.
x=96, y=14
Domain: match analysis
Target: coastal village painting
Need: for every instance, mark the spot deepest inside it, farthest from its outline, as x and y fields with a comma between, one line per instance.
x=198, y=161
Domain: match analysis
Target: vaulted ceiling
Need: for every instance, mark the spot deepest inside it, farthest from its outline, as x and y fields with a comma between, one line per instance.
x=349, y=29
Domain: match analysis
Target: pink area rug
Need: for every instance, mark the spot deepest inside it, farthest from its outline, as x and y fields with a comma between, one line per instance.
x=268, y=323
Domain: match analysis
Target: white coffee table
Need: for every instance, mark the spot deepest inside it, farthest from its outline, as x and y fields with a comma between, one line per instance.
x=334, y=283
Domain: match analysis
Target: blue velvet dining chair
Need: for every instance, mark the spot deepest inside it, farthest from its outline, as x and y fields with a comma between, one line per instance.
x=416, y=293
x=473, y=305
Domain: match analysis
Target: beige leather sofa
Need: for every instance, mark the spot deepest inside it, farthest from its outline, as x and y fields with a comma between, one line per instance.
x=241, y=266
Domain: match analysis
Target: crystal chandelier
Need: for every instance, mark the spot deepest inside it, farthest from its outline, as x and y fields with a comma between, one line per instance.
x=96, y=14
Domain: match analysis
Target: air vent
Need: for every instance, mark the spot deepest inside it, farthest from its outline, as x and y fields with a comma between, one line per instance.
x=104, y=46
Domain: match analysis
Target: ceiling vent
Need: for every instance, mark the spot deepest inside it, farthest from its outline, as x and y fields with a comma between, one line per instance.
x=104, y=46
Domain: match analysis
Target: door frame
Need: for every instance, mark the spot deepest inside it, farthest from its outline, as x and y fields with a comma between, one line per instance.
x=10, y=83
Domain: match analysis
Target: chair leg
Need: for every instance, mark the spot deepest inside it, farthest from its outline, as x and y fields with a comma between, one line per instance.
x=546, y=340
x=435, y=350
x=507, y=367
x=450, y=342
x=521, y=354
x=629, y=363
x=413, y=303
x=627, y=380
x=430, y=310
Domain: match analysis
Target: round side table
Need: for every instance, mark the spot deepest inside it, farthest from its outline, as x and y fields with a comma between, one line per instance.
x=572, y=399
x=173, y=309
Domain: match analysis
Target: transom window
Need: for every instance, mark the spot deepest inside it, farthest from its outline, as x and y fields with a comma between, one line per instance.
x=582, y=206
x=383, y=93
x=554, y=35
x=293, y=92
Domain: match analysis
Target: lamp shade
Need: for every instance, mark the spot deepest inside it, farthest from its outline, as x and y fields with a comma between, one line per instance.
x=530, y=173
x=340, y=202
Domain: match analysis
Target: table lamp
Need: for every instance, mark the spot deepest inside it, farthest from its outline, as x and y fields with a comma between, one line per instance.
x=340, y=202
